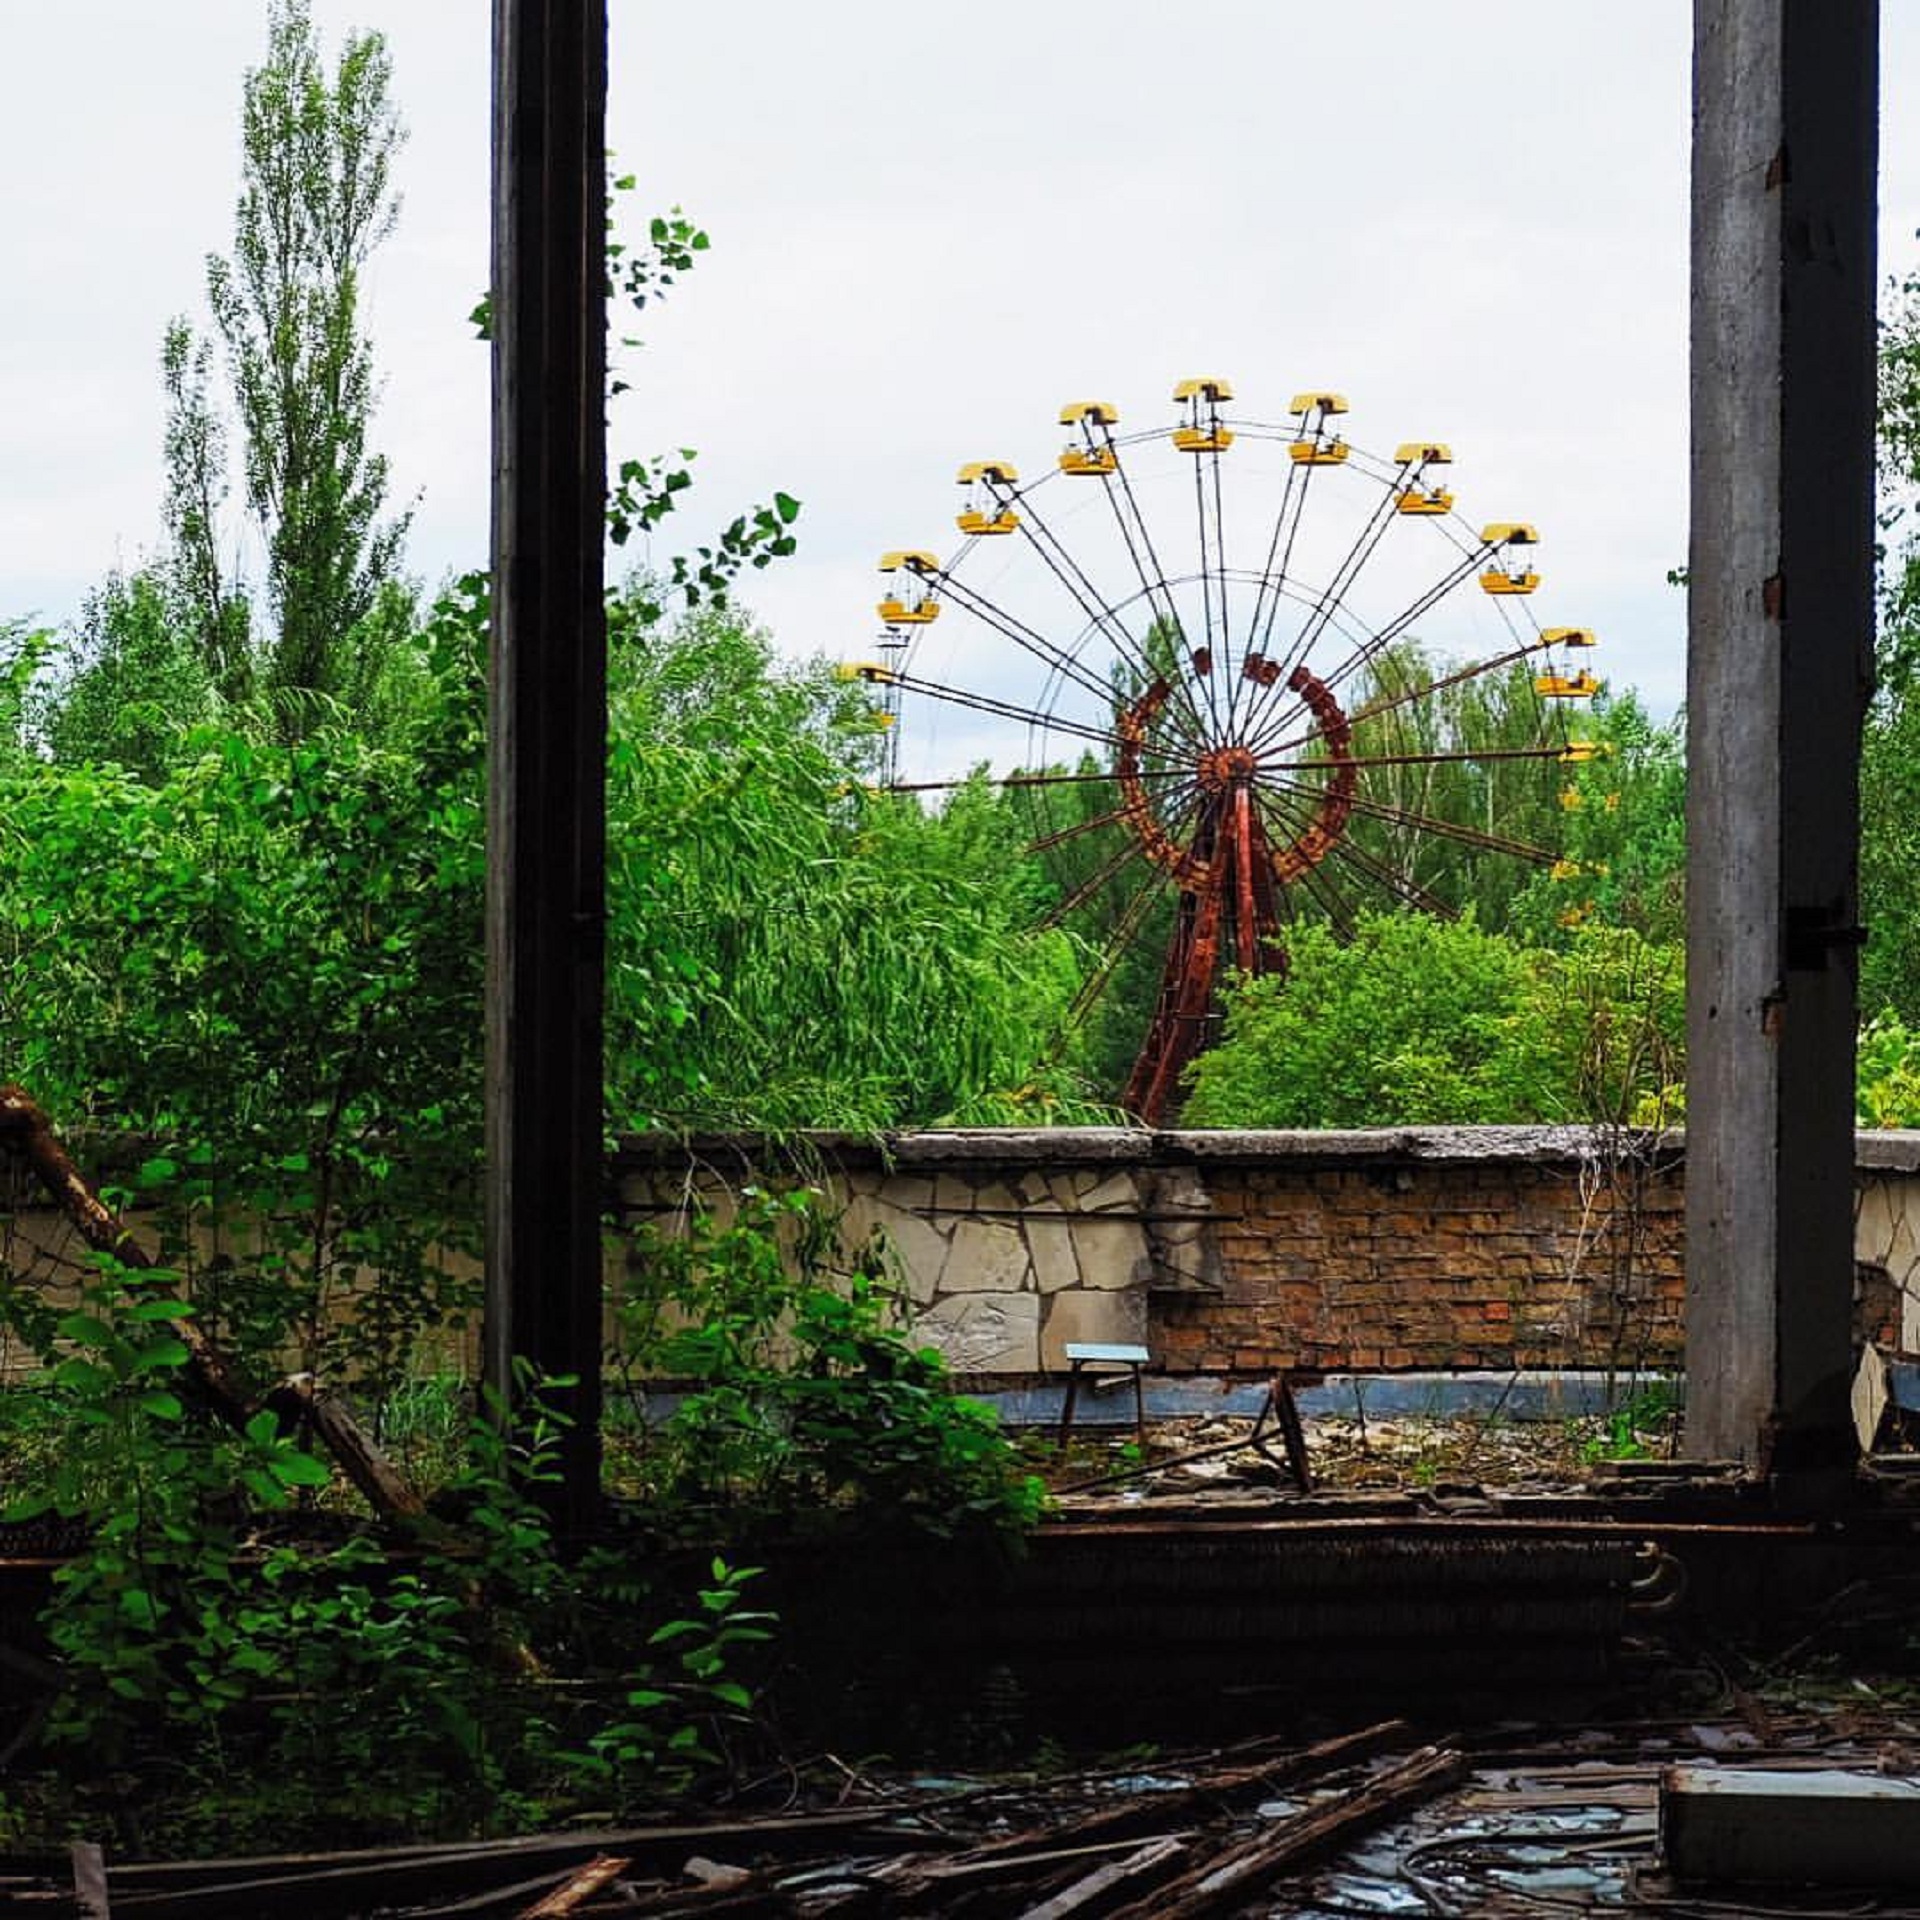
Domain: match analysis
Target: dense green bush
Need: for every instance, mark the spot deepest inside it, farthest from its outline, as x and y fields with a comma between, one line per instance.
x=1422, y=1021
x=230, y=1677
x=805, y=1408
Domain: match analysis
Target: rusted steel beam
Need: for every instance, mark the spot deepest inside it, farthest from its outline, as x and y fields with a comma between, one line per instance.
x=546, y=789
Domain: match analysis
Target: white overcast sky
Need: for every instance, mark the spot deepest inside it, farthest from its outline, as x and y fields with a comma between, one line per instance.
x=931, y=226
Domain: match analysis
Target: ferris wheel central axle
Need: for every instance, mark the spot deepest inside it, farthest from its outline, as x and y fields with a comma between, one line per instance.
x=1221, y=769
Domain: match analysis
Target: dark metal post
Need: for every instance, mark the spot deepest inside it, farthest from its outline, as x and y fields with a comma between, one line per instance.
x=1780, y=612
x=546, y=802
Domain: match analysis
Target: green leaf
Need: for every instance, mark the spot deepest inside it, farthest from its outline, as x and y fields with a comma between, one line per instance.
x=84, y=1376
x=148, y=1310
x=264, y=1487
x=296, y=1469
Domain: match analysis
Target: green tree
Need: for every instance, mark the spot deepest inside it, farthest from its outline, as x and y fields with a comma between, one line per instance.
x=1890, y=744
x=786, y=948
x=316, y=199
x=1422, y=1021
x=134, y=684
x=211, y=603
x=1621, y=833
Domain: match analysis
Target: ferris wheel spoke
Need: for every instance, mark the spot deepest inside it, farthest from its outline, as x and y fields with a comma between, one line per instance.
x=1366, y=542
x=1378, y=641
x=1105, y=776
x=1137, y=537
x=1061, y=836
x=1212, y=582
x=1115, y=864
x=1442, y=829
x=1220, y=567
x=971, y=600
x=1471, y=561
x=1124, y=937
x=1402, y=886
x=1073, y=577
x=1331, y=902
x=1004, y=709
x=1374, y=709
x=1435, y=758
x=1271, y=581
x=1289, y=807
x=1304, y=471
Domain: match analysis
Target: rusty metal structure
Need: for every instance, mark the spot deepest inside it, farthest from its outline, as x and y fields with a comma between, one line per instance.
x=1245, y=711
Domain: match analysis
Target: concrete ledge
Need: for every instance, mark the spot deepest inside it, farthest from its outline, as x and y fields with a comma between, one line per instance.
x=1129, y=1146
x=1888, y=1150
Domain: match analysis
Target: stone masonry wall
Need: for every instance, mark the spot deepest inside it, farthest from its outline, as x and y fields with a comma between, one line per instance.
x=1252, y=1252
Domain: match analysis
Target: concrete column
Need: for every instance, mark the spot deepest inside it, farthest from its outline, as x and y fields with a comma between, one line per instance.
x=1780, y=615
x=547, y=718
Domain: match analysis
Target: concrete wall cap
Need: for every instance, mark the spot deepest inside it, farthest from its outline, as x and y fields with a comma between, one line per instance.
x=1890, y=1150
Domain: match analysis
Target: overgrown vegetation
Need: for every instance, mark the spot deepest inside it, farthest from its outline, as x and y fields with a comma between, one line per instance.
x=233, y=1671
x=230, y=1679
x=803, y=1405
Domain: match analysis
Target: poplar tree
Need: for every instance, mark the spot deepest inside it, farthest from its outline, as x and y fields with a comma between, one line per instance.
x=316, y=198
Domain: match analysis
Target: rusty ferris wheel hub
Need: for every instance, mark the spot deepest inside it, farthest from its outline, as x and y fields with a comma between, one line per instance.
x=1220, y=769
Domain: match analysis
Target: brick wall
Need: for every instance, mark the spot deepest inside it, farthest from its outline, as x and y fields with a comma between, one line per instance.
x=1403, y=1263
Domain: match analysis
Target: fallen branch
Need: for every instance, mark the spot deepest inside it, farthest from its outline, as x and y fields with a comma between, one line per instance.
x=208, y=1375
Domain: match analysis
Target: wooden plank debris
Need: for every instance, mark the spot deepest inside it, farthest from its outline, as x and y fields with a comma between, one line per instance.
x=581, y=1885
x=1140, y=1871
x=1236, y=1874
x=1211, y=1793
x=299, y=1886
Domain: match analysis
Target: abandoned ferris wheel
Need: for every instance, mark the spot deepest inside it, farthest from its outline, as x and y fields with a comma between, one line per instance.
x=1292, y=677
